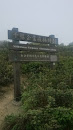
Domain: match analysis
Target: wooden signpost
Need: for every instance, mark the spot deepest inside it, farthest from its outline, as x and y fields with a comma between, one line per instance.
x=45, y=51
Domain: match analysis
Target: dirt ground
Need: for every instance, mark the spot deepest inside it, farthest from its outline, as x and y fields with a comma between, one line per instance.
x=7, y=104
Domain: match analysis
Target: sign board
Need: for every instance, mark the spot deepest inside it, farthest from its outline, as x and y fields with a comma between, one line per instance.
x=21, y=57
x=30, y=47
x=20, y=36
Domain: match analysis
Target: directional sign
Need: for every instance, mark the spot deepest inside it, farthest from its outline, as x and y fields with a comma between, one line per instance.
x=20, y=36
x=29, y=52
x=16, y=56
x=30, y=47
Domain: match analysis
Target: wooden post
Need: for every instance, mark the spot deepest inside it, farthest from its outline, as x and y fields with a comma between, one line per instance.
x=16, y=65
x=17, y=92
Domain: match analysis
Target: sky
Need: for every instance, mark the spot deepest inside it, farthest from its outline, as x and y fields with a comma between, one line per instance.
x=41, y=17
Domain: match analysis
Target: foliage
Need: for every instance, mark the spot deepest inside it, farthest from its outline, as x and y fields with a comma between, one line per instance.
x=45, y=118
x=48, y=95
x=6, y=75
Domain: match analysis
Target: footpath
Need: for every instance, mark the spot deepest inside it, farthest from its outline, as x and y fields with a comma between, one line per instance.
x=8, y=105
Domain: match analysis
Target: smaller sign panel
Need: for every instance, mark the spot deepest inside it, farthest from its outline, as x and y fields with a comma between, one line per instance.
x=21, y=56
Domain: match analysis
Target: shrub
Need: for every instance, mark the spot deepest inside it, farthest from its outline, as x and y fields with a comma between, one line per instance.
x=6, y=71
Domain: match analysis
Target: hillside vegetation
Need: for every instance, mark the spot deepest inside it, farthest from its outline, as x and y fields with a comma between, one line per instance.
x=6, y=70
x=47, y=98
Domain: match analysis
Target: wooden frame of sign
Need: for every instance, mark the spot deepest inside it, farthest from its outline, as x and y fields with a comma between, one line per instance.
x=45, y=51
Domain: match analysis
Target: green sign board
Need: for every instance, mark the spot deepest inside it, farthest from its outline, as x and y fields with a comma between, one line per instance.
x=20, y=36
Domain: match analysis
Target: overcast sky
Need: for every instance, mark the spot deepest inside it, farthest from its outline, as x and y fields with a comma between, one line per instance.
x=42, y=17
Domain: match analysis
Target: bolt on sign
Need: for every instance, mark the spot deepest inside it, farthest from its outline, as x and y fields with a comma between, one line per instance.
x=45, y=51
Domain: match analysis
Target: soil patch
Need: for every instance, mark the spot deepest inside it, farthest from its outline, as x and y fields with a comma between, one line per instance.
x=7, y=104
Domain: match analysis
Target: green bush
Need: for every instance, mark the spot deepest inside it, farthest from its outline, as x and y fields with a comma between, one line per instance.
x=6, y=69
x=64, y=117
x=64, y=98
x=37, y=98
x=41, y=119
